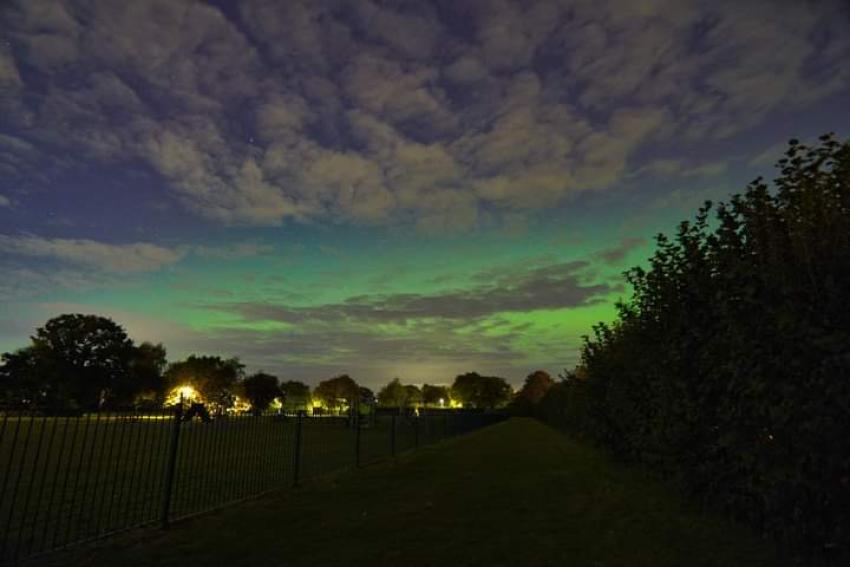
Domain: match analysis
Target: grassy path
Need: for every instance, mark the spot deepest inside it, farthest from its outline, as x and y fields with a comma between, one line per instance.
x=517, y=493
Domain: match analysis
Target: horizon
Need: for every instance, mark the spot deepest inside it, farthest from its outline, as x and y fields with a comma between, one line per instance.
x=412, y=193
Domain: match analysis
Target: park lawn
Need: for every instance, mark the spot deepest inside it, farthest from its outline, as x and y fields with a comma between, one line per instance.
x=516, y=493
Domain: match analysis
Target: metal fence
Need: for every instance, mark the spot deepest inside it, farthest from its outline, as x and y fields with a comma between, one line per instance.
x=73, y=479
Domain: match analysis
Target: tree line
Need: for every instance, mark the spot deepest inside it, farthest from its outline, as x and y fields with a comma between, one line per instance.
x=729, y=367
x=81, y=362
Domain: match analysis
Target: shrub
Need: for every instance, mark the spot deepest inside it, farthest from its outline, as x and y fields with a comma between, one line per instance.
x=730, y=365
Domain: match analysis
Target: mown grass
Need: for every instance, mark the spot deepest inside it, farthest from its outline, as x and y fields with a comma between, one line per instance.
x=517, y=493
x=63, y=480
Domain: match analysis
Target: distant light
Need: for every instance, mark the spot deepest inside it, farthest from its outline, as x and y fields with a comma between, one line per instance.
x=185, y=393
x=442, y=402
x=239, y=405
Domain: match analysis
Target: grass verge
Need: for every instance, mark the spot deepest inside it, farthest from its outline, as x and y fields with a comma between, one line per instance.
x=517, y=493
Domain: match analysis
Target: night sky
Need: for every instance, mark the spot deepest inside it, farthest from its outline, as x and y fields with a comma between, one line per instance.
x=385, y=189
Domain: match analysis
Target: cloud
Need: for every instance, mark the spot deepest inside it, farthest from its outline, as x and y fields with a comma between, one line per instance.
x=369, y=113
x=233, y=251
x=617, y=254
x=555, y=286
x=769, y=156
x=9, y=75
x=5, y=202
x=116, y=258
x=486, y=324
x=665, y=168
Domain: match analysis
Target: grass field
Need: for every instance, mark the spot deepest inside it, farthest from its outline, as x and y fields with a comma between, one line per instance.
x=516, y=493
x=64, y=480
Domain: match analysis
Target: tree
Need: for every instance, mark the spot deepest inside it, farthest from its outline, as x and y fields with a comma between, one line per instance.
x=493, y=392
x=412, y=396
x=86, y=357
x=296, y=395
x=24, y=384
x=465, y=387
x=261, y=389
x=82, y=362
x=147, y=366
x=433, y=395
x=338, y=393
x=367, y=396
x=483, y=392
x=535, y=387
x=392, y=395
x=214, y=378
x=732, y=357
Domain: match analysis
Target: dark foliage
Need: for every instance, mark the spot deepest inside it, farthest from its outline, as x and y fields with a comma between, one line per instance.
x=431, y=395
x=392, y=395
x=214, y=377
x=482, y=392
x=338, y=392
x=730, y=366
x=536, y=386
x=81, y=361
x=296, y=395
x=261, y=389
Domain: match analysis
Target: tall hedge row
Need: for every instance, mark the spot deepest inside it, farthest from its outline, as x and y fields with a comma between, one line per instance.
x=729, y=368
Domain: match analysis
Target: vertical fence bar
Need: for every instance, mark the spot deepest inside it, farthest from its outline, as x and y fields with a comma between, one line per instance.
x=357, y=440
x=32, y=482
x=77, y=476
x=151, y=479
x=172, y=465
x=39, y=499
x=60, y=463
x=222, y=435
x=260, y=433
x=246, y=462
x=392, y=436
x=15, y=488
x=131, y=511
x=110, y=477
x=120, y=472
x=296, y=460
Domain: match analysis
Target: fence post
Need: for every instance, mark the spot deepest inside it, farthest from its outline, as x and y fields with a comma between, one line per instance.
x=171, y=466
x=416, y=431
x=392, y=437
x=297, y=461
x=357, y=440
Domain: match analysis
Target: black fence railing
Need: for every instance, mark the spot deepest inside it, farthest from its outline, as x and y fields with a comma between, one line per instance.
x=70, y=479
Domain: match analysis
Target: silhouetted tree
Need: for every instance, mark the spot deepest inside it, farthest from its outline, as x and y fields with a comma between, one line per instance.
x=24, y=382
x=465, y=387
x=393, y=395
x=338, y=392
x=412, y=396
x=261, y=389
x=296, y=395
x=484, y=392
x=535, y=387
x=431, y=395
x=82, y=361
x=86, y=357
x=213, y=377
x=147, y=366
x=730, y=365
x=493, y=392
x=367, y=397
